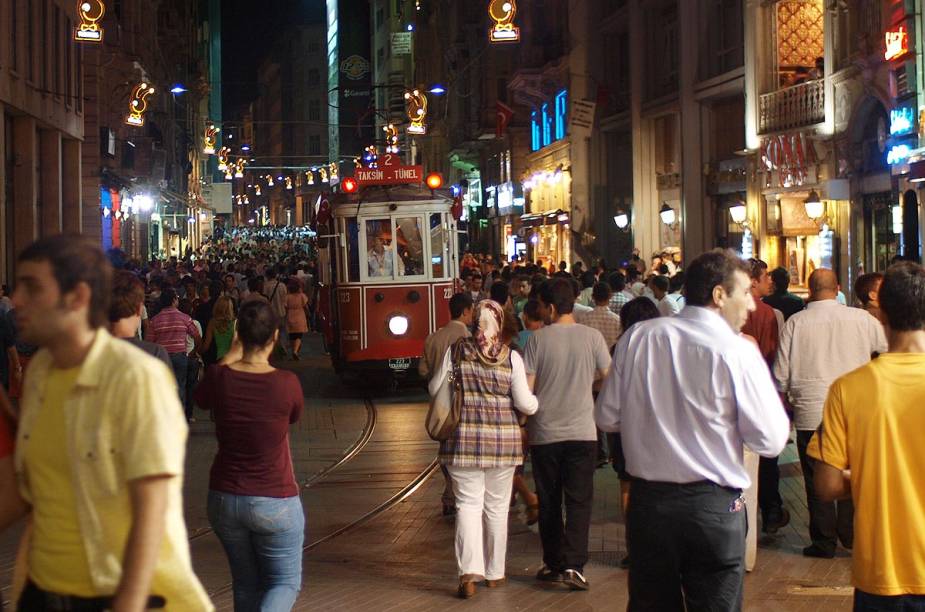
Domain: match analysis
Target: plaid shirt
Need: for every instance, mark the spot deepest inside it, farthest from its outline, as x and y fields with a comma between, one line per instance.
x=488, y=434
x=618, y=300
x=604, y=321
x=170, y=329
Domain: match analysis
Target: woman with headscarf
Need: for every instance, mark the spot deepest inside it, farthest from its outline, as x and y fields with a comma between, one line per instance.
x=486, y=447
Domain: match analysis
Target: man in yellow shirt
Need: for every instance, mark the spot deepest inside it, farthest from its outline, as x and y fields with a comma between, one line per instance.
x=869, y=447
x=99, y=450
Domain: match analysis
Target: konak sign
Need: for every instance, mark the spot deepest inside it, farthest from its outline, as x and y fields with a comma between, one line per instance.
x=390, y=172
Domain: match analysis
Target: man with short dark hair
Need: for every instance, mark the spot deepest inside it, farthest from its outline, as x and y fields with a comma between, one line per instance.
x=762, y=326
x=867, y=289
x=601, y=318
x=128, y=298
x=435, y=347
x=869, y=447
x=99, y=450
x=683, y=430
x=562, y=361
x=170, y=329
x=788, y=303
x=621, y=295
x=818, y=345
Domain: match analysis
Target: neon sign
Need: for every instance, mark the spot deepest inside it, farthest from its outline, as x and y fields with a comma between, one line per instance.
x=139, y=104
x=897, y=42
x=902, y=121
x=502, y=13
x=898, y=153
x=89, y=29
x=417, y=111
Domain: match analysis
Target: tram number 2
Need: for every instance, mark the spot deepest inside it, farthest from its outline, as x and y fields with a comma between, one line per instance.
x=447, y=293
x=343, y=297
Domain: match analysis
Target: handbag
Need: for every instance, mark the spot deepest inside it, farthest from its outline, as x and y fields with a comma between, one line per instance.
x=446, y=404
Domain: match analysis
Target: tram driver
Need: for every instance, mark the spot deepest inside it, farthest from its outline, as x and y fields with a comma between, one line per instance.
x=379, y=258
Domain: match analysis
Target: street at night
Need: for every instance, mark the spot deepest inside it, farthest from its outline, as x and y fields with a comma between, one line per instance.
x=448, y=304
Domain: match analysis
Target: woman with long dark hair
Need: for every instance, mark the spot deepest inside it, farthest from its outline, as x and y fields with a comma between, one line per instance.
x=254, y=504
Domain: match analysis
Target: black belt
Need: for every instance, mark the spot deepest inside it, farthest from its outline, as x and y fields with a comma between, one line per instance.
x=34, y=599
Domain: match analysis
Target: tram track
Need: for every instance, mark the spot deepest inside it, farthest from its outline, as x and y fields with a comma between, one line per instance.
x=404, y=493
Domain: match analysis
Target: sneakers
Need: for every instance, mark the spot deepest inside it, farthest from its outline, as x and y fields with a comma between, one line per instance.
x=547, y=574
x=575, y=580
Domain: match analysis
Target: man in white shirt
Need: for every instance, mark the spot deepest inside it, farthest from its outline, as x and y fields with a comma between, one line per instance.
x=818, y=345
x=674, y=301
x=687, y=393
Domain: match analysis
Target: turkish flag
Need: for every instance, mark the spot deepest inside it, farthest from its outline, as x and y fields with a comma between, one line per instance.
x=503, y=118
x=456, y=208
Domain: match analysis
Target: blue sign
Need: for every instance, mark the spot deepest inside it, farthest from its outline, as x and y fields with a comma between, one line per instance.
x=897, y=154
x=902, y=121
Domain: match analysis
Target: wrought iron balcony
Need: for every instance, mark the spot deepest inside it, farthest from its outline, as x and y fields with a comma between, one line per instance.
x=792, y=107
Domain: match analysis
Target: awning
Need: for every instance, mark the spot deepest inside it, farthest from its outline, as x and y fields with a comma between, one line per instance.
x=545, y=218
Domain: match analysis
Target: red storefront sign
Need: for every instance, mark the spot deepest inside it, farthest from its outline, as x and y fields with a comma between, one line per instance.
x=390, y=172
x=897, y=43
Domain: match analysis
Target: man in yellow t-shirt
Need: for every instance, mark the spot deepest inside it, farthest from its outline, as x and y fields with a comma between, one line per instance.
x=99, y=450
x=870, y=448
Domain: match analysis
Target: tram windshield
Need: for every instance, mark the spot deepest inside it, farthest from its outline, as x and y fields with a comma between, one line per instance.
x=399, y=247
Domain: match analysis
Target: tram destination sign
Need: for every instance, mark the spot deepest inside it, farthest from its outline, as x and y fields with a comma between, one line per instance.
x=389, y=173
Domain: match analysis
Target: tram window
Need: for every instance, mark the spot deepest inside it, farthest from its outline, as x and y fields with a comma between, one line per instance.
x=379, y=256
x=410, y=246
x=438, y=245
x=353, y=251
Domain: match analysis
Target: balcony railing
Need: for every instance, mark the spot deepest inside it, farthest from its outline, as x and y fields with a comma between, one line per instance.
x=793, y=107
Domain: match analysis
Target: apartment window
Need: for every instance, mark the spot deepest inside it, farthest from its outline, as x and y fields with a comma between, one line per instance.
x=314, y=110
x=724, y=25
x=661, y=76
x=314, y=78
x=14, y=22
x=58, y=74
x=30, y=39
x=68, y=62
x=380, y=17
x=314, y=145
x=45, y=44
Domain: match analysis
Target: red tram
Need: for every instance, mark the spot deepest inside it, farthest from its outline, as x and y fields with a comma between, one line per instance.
x=391, y=266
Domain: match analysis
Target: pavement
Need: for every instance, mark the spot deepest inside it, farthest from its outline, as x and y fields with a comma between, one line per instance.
x=377, y=541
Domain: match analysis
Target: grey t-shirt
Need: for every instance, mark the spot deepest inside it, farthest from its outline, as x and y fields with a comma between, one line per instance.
x=564, y=359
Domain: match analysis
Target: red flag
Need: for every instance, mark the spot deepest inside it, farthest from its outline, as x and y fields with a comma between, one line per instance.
x=456, y=208
x=504, y=115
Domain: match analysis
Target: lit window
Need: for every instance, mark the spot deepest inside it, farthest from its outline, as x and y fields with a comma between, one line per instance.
x=535, y=143
x=561, y=106
x=547, y=125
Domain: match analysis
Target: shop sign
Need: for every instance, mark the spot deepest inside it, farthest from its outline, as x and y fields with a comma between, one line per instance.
x=790, y=155
x=401, y=43
x=897, y=42
x=898, y=153
x=902, y=121
x=389, y=173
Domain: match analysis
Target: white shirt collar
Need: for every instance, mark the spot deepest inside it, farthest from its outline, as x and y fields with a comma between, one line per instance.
x=822, y=303
x=707, y=317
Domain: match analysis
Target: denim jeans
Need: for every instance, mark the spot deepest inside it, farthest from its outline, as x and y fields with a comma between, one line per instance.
x=180, y=362
x=866, y=602
x=262, y=537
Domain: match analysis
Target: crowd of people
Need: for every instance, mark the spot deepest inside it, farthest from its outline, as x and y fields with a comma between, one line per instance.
x=680, y=379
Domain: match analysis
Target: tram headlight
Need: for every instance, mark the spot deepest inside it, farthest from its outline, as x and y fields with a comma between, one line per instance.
x=398, y=325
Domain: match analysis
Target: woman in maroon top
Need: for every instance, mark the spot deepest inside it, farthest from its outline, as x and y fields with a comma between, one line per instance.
x=254, y=504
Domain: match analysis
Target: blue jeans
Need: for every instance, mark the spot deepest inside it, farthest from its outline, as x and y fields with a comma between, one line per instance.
x=262, y=537
x=865, y=602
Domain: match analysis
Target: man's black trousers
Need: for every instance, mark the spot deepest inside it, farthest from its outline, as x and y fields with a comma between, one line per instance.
x=565, y=471
x=687, y=545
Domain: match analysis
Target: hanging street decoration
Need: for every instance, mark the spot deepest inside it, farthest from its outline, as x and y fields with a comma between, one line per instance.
x=239, y=168
x=223, y=158
x=91, y=13
x=391, y=173
x=370, y=156
x=323, y=174
x=139, y=104
x=208, y=139
x=333, y=171
x=391, y=138
x=502, y=13
x=289, y=183
x=416, y=104
x=310, y=175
